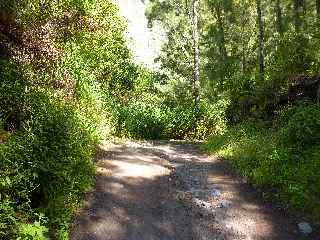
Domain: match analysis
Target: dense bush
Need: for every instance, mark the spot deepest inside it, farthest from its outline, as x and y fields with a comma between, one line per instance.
x=143, y=120
x=47, y=165
x=301, y=126
x=12, y=92
x=62, y=64
x=283, y=158
x=140, y=120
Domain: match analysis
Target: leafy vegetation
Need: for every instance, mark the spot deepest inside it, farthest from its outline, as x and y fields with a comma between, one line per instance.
x=61, y=63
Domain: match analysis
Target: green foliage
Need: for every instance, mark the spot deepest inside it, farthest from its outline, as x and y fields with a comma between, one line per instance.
x=229, y=40
x=8, y=222
x=56, y=99
x=64, y=149
x=33, y=231
x=140, y=120
x=12, y=89
x=48, y=164
x=161, y=107
x=68, y=80
x=302, y=126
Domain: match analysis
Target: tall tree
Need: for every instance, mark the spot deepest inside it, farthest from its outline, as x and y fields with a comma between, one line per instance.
x=243, y=43
x=297, y=8
x=222, y=41
x=261, y=38
x=279, y=22
x=318, y=8
x=196, y=54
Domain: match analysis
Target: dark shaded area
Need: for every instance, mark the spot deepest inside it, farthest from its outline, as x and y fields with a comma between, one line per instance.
x=304, y=87
x=139, y=217
x=265, y=106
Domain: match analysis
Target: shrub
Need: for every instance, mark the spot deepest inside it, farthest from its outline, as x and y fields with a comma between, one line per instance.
x=140, y=120
x=145, y=120
x=179, y=121
x=8, y=222
x=12, y=92
x=301, y=125
x=212, y=119
x=33, y=231
x=53, y=98
x=46, y=165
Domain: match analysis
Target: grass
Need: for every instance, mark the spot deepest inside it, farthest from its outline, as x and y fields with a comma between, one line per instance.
x=4, y=135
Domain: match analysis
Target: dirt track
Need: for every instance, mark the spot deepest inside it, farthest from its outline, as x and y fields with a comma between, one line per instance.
x=173, y=191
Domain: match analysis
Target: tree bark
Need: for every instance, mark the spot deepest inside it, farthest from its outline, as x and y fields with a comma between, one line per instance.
x=297, y=6
x=196, y=55
x=243, y=42
x=261, y=39
x=187, y=7
x=222, y=41
x=279, y=17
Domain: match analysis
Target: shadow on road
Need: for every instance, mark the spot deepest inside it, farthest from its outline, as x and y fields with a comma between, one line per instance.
x=137, y=197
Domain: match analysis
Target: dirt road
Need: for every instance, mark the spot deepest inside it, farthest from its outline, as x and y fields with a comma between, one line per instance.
x=173, y=191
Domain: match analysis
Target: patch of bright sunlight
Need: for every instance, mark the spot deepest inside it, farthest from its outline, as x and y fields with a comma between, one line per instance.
x=136, y=170
x=144, y=42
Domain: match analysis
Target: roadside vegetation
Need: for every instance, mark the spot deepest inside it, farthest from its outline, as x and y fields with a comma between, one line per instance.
x=242, y=75
x=61, y=63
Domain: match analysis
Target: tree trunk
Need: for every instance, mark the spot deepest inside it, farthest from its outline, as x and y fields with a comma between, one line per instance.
x=279, y=17
x=222, y=41
x=196, y=55
x=297, y=7
x=261, y=38
x=318, y=8
x=187, y=7
x=243, y=42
